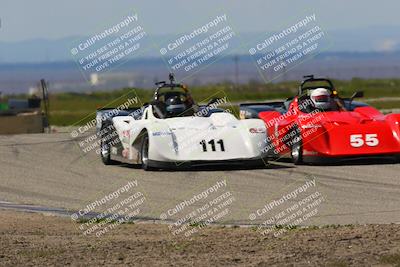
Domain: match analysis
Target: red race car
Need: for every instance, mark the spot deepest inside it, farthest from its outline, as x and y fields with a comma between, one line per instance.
x=318, y=126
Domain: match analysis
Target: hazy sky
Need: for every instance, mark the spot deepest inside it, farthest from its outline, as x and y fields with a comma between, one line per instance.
x=52, y=19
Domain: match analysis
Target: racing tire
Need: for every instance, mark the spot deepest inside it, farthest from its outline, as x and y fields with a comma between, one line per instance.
x=296, y=151
x=144, y=153
x=105, y=153
x=105, y=150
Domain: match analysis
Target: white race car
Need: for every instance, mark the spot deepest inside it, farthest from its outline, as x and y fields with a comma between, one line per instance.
x=172, y=131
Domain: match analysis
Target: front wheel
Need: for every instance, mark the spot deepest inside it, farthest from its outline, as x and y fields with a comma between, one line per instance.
x=105, y=149
x=105, y=153
x=145, y=153
x=297, y=148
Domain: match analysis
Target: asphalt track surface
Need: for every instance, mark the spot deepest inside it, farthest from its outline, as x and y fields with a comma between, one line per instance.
x=50, y=170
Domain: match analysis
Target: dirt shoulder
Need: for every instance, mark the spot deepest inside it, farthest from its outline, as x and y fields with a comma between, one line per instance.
x=35, y=239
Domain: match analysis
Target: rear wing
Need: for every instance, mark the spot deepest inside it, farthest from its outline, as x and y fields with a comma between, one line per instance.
x=309, y=79
x=105, y=115
x=251, y=110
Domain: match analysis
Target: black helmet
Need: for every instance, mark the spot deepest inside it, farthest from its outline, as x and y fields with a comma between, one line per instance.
x=175, y=106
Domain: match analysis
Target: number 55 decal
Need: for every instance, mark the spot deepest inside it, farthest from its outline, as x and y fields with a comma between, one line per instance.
x=357, y=140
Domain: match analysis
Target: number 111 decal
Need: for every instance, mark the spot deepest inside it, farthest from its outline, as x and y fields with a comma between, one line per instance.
x=212, y=144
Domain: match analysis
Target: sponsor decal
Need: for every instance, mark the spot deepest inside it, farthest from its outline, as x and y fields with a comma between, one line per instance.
x=162, y=133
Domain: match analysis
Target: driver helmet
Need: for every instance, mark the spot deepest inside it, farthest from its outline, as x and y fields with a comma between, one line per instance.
x=175, y=106
x=321, y=98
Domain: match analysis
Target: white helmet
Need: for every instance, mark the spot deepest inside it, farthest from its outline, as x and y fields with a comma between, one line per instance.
x=321, y=98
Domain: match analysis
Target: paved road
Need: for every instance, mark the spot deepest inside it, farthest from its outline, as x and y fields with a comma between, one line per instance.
x=51, y=170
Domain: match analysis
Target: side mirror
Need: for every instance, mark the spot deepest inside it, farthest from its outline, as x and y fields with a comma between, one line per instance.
x=357, y=94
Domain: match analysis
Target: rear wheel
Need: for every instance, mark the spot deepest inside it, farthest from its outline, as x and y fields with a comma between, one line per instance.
x=297, y=147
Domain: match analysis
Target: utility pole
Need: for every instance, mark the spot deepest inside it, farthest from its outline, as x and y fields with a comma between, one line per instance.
x=236, y=59
x=284, y=74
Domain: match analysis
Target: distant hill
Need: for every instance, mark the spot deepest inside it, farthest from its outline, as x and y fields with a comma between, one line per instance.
x=377, y=38
x=143, y=72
